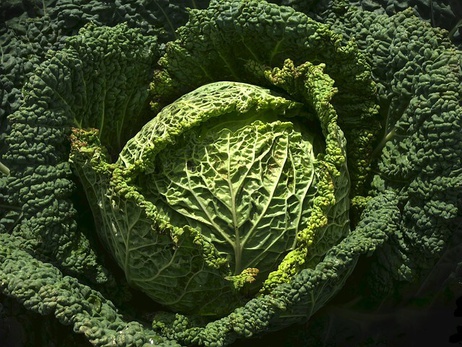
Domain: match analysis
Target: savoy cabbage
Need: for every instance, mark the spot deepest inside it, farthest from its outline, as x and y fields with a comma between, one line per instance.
x=237, y=168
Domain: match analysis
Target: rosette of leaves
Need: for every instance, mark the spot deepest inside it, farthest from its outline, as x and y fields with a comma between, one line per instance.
x=243, y=198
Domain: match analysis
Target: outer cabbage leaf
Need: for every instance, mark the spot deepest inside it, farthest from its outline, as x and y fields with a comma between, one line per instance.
x=42, y=288
x=76, y=86
x=41, y=239
x=445, y=14
x=417, y=71
x=29, y=30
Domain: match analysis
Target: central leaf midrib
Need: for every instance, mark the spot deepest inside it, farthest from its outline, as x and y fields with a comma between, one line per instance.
x=237, y=241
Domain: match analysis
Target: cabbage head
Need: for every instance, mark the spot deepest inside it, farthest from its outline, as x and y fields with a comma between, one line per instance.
x=228, y=191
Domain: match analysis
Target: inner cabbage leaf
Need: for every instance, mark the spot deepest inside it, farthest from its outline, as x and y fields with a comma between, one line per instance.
x=247, y=191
